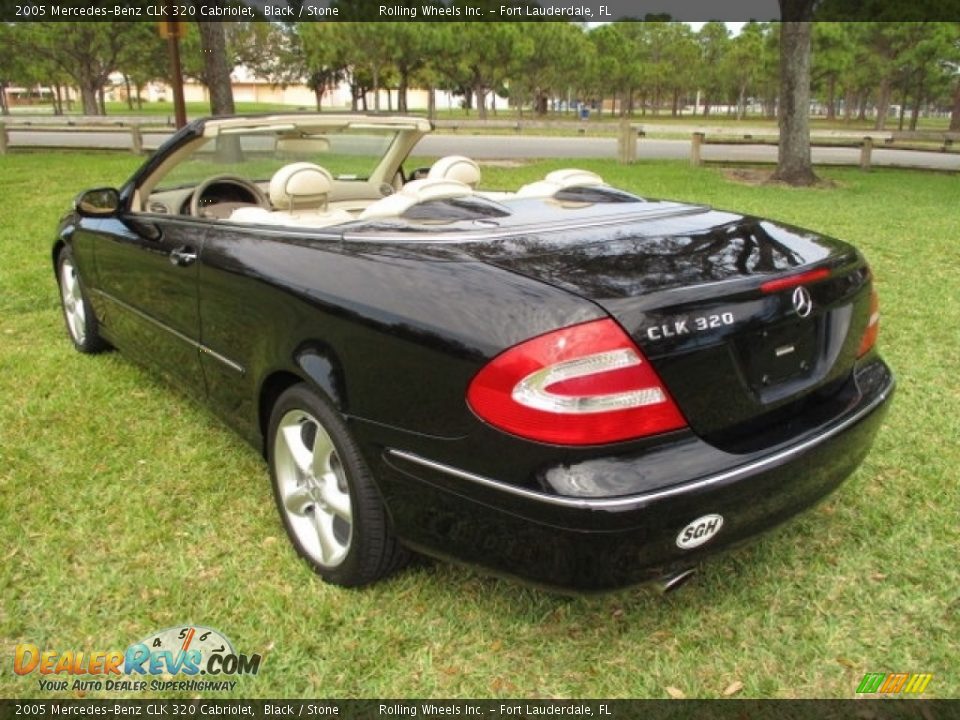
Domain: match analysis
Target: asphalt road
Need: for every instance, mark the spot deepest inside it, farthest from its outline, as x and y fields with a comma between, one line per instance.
x=500, y=147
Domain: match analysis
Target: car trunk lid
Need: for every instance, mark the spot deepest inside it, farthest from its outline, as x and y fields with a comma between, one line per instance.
x=750, y=323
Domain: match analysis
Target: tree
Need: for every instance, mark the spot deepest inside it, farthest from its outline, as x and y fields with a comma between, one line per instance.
x=557, y=52
x=616, y=62
x=744, y=62
x=87, y=52
x=833, y=54
x=325, y=64
x=714, y=39
x=680, y=56
x=143, y=60
x=217, y=67
x=488, y=52
x=793, y=157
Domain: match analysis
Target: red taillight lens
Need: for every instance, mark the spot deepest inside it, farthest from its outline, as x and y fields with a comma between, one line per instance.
x=873, y=326
x=771, y=286
x=582, y=385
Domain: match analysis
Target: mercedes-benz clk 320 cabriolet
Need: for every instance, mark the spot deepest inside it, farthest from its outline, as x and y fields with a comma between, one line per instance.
x=568, y=383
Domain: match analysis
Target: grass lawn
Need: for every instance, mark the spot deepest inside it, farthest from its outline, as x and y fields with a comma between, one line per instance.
x=127, y=508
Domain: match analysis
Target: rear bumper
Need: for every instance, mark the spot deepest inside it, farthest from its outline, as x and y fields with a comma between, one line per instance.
x=590, y=543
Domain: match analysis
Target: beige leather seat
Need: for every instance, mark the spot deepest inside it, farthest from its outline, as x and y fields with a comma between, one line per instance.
x=414, y=192
x=299, y=194
x=560, y=180
x=456, y=167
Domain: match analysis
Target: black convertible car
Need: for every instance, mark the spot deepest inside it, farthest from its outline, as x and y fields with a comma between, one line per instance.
x=568, y=384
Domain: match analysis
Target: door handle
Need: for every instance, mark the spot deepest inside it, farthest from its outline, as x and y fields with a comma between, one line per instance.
x=183, y=256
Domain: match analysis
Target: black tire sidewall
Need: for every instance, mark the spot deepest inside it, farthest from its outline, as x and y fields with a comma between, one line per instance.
x=92, y=342
x=369, y=531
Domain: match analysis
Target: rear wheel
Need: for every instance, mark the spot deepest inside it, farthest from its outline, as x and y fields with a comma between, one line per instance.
x=324, y=491
x=78, y=314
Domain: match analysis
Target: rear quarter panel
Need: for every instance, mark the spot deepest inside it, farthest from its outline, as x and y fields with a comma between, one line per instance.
x=391, y=334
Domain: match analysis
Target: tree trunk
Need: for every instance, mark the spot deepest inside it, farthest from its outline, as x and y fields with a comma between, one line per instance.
x=402, y=93
x=88, y=97
x=883, y=104
x=481, y=96
x=102, y=95
x=376, y=88
x=676, y=102
x=139, y=88
x=4, y=107
x=955, y=113
x=832, y=98
x=432, y=103
x=57, y=101
x=915, y=111
x=849, y=102
x=793, y=158
x=216, y=67
x=903, y=106
x=126, y=83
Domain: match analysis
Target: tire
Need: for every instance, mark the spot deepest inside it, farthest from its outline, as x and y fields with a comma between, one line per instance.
x=82, y=326
x=325, y=493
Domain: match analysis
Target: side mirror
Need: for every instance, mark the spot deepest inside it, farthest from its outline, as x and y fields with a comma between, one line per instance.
x=419, y=174
x=100, y=202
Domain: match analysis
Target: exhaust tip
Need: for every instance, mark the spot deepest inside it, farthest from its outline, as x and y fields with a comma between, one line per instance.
x=669, y=583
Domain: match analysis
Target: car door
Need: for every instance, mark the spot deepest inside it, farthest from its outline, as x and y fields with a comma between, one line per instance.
x=147, y=291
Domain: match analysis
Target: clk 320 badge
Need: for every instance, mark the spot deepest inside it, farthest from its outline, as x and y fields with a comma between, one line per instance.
x=689, y=325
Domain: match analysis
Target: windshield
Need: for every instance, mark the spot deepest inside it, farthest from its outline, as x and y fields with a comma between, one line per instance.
x=256, y=154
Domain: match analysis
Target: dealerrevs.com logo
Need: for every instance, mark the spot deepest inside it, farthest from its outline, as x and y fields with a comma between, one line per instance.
x=172, y=659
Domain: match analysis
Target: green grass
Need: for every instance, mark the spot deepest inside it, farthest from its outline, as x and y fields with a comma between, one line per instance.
x=127, y=508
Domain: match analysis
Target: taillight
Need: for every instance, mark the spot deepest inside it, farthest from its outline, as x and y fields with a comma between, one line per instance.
x=771, y=286
x=873, y=326
x=583, y=385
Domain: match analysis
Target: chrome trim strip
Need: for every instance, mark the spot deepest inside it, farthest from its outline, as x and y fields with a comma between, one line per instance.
x=236, y=367
x=627, y=501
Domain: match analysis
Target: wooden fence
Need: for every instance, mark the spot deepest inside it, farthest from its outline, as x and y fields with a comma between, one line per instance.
x=629, y=134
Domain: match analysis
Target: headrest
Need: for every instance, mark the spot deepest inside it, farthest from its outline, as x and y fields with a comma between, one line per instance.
x=456, y=167
x=560, y=180
x=434, y=189
x=300, y=184
x=415, y=191
x=574, y=177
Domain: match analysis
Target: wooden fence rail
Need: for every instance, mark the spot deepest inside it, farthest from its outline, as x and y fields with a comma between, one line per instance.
x=630, y=134
x=135, y=130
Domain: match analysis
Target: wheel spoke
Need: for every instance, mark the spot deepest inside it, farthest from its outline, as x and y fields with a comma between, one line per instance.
x=329, y=547
x=336, y=499
x=323, y=451
x=302, y=455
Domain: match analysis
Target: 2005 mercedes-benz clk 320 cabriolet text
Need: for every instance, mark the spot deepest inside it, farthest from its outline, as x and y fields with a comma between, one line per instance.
x=567, y=383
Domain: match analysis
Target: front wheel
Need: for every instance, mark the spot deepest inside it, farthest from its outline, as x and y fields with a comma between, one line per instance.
x=78, y=314
x=324, y=491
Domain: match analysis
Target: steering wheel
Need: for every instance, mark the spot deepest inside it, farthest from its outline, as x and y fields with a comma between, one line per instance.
x=256, y=193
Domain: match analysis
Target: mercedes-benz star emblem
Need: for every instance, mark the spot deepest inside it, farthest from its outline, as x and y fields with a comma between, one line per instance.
x=802, y=302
